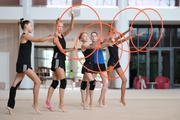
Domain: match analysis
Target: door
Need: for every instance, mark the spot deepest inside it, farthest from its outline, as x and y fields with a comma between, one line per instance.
x=176, y=68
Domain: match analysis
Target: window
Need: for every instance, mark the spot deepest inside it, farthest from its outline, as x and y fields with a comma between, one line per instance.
x=144, y=38
x=165, y=41
x=88, y=2
x=43, y=57
x=153, y=2
x=155, y=37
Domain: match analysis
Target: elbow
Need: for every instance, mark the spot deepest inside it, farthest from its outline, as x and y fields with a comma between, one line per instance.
x=40, y=40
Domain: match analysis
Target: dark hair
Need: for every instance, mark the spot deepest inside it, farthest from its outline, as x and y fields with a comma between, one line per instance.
x=94, y=32
x=81, y=35
x=22, y=22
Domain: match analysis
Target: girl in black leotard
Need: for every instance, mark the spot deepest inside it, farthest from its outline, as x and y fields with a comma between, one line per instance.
x=89, y=61
x=113, y=59
x=23, y=65
x=58, y=65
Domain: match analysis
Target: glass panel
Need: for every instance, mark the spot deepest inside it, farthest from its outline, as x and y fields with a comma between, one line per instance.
x=43, y=57
x=142, y=64
x=144, y=38
x=153, y=65
x=155, y=37
x=9, y=2
x=89, y=2
x=79, y=67
x=67, y=64
x=176, y=67
x=133, y=68
x=134, y=31
x=165, y=56
x=165, y=41
x=175, y=37
x=152, y=3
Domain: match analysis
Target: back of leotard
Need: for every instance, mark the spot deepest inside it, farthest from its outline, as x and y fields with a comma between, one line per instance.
x=113, y=52
x=24, y=55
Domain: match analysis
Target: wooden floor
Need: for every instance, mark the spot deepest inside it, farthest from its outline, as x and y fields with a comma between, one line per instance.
x=141, y=105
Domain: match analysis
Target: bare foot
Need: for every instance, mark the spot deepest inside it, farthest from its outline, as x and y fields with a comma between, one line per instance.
x=100, y=104
x=91, y=106
x=85, y=106
x=36, y=109
x=63, y=108
x=103, y=102
x=82, y=104
x=10, y=110
x=45, y=106
x=123, y=102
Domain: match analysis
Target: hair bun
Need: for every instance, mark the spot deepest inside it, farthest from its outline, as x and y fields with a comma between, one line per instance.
x=57, y=20
x=22, y=19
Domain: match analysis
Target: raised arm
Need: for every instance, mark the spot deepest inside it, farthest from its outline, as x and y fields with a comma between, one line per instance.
x=71, y=24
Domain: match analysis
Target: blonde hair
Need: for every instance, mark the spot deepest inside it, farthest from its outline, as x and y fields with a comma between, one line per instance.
x=81, y=35
x=58, y=21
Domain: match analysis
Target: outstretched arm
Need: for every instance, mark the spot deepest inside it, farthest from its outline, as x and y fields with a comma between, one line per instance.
x=130, y=37
x=122, y=34
x=71, y=25
x=107, y=42
x=70, y=49
x=26, y=37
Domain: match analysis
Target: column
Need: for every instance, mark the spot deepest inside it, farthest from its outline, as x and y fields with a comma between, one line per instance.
x=27, y=83
x=121, y=25
x=74, y=65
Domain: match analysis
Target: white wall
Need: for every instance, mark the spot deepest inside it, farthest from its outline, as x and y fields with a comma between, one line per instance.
x=41, y=30
x=9, y=42
x=48, y=15
x=4, y=68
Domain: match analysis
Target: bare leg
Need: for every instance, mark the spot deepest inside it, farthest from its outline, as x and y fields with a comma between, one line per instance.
x=61, y=94
x=37, y=82
x=110, y=68
x=90, y=78
x=144, y=84
x=50, y=93
x=61, y=76
x=12, y=92
x=83, y=94
x=104, y=89
x=87, y=94
x=123, y=86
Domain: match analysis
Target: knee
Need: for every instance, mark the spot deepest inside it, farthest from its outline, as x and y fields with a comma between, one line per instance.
x=124, y=80
x=92, y=85
x=54, y=84
x=83, y=85
x=105, y=84
x=38, y=82
x=63, y=83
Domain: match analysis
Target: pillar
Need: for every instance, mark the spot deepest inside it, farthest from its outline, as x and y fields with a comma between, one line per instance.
x=74, y=65
x=27, y=83
x=121, y=25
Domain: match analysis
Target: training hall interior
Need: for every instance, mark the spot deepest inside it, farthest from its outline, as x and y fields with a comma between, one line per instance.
x=155, y=56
